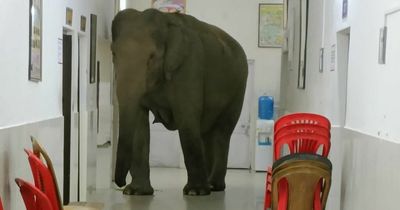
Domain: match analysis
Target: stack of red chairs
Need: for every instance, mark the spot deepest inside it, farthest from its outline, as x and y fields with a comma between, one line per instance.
x=301, y=133
x=44, y=194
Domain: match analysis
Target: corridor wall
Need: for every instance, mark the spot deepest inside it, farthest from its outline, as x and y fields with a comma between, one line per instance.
x=35, y=108
x=365, y=140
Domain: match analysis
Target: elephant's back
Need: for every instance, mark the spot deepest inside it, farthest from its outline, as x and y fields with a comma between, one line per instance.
x=225, y=68
x=209, y=32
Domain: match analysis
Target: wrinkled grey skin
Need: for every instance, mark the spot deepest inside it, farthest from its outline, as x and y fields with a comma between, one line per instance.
x=192, y=77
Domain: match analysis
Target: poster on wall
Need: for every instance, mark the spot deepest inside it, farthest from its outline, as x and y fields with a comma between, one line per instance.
x=270, y=25
x=83, y=23
x=68, y=16
x=169, y=6
x=344, y=9
x=35, y=40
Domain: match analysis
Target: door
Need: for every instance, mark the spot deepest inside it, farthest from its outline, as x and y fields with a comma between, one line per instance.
x=239, y=149
x=104, y=103
x=343, y=44
x=66, y=107
x=387, y=83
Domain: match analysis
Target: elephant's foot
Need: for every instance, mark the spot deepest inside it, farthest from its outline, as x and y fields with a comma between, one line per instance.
x=217, y=186
x=133, y=189
x=195, y=190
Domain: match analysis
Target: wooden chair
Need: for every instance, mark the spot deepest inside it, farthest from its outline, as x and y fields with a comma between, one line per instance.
x=302, y=133
x=33, y=197
x=302, y=173
x=45, y=179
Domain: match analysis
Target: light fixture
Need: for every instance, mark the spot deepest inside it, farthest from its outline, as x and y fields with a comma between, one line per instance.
x=122, y=4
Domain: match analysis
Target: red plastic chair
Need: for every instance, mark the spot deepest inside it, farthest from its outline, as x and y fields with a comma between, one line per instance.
x=303, y=132
x=268, y=189
x=33, y=197
x=302, y=119
x=44, y=179
x=298, y=143
x=1, y=205
x=302, y=143
x=298, y=128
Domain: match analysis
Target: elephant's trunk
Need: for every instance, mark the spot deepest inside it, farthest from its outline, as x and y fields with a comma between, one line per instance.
x=125, y=151
x=122, y=164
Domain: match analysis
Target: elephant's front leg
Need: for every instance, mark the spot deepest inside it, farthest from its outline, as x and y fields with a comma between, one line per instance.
x=139, y=168
x=193, y=152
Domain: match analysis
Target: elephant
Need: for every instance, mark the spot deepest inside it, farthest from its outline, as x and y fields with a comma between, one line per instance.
x=192, y=76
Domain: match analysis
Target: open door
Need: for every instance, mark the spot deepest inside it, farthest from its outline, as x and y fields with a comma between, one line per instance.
x=66, y=107
x=239, y=147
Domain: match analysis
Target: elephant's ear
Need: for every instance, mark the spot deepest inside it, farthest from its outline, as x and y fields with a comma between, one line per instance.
x=176, y=47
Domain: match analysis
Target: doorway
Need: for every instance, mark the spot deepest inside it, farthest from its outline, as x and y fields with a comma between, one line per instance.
x=343, y=44
x=72, y=86
x=105, y=111
x=66, y=107
x=239, y=148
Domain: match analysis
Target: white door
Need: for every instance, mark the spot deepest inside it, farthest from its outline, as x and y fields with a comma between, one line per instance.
x=101, y=164
x=239, y=150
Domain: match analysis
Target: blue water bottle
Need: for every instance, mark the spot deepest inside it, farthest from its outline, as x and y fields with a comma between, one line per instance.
x=266, y=107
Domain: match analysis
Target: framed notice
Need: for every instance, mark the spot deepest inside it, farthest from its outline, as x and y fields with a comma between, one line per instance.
x=345, y=9
x=83, y=23
x=35, y=40
x=68, y=16
x=270, y=25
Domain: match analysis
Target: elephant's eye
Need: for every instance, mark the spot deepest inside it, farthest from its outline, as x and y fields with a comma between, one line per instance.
x=152, y=55
x=151, y=59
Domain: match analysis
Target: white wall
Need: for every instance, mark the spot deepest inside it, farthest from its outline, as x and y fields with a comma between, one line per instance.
x=368, y=136
x=313, y=97
x=22, y=101
x=372, y=105
x=30, y=108
x=370, y=102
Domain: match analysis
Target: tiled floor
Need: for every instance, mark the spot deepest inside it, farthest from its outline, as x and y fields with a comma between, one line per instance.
x=245, y=191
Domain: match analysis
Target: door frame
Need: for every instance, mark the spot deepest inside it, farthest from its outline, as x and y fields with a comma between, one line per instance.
x=75, y=147
x=67, y=110
x=343, y=46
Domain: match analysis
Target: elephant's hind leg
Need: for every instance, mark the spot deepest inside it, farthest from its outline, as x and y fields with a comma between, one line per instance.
x=217, y=146
x=192, y=147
